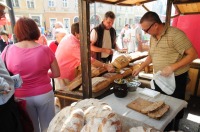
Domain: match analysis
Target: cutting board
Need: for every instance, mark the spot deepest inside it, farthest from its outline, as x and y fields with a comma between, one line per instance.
x=141, y=103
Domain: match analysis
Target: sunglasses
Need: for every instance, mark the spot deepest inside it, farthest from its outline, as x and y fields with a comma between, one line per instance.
x=146, y=30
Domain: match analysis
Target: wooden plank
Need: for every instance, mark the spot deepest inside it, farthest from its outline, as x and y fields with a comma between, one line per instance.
x=181, y=8
x=195, y=7
x=84, y=21
x=124, y=2
x=185, y=1
x=189, y=7
x=119, y=1
x=198, y=5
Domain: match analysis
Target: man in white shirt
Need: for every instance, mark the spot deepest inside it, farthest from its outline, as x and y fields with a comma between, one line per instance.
x=103, y=39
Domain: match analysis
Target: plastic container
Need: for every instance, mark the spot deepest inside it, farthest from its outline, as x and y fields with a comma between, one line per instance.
x=133, y=85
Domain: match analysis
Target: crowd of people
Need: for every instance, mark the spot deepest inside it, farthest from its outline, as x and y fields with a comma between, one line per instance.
x=37, y=62
x=132, y=38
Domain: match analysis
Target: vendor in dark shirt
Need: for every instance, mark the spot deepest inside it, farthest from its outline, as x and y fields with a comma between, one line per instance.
x=103, y=39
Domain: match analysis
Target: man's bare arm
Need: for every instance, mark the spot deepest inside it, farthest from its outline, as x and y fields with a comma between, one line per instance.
x=97, y=49
x=191, y=54
x=142, y=66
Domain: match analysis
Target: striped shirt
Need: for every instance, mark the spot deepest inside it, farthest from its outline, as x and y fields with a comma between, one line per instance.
x=169, y=49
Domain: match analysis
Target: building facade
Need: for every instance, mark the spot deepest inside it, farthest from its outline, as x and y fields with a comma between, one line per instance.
x=47, y=12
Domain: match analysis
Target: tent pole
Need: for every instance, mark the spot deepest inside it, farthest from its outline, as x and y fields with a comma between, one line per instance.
x=168, y=12
x=84, y=27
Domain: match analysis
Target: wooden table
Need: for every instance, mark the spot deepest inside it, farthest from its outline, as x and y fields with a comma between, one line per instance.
x=67, y=97
x=119, y=106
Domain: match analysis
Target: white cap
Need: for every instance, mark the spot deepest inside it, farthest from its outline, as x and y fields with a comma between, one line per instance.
x=3, y=3
x=60, y=30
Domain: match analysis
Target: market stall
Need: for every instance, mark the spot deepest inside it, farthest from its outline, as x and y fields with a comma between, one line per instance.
x=84, y=11
x=86, y=91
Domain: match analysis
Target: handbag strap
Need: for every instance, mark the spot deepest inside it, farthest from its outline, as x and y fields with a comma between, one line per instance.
x=5, y=56
x=11, y=74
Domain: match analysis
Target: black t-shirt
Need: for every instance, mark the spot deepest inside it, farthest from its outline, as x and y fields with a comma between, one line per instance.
x=2, y=45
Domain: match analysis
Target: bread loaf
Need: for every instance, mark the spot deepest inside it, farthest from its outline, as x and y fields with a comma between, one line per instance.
x=75, y=83
x=94, y=71
x=94, y=111
x=127, y=72
x=112, y=76
x=86, y=103
x=153, y=107
x=120, y=62
x=139, y=129
x=148, y=69
x=95, y=114
x=98, y=83
x=74, y=123
x=68, y=119
x=99, y=112
x=102, y=70
x=94, y=108
x=101, y=125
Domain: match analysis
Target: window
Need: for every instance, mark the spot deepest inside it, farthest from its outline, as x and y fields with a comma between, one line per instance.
x=51, y=3
x=66, y=24
x=30, y=3
x=76, y=3
x=15, y=3
x=64, y=3
x=52, y=22
x=37, y=19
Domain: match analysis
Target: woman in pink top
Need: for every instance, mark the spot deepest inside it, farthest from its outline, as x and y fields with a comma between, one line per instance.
x=32, y=61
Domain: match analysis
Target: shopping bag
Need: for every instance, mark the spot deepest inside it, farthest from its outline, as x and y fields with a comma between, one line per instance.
x=24, y=117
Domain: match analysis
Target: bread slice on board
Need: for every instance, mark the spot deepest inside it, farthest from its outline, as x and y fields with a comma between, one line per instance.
x=159, y=113
x=153, y=107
